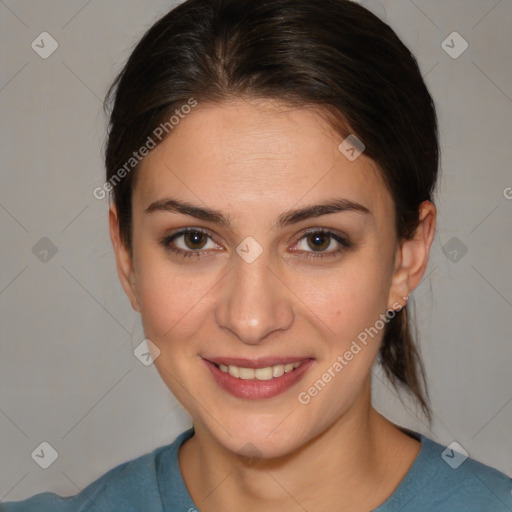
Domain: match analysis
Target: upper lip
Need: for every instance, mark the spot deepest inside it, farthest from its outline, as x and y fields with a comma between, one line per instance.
x=260, y=362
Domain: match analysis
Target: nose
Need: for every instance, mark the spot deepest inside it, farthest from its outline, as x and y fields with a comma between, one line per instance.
x=254, y=302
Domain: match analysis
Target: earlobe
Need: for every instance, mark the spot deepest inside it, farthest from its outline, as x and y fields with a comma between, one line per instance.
x=124, y=262
x=412, y=257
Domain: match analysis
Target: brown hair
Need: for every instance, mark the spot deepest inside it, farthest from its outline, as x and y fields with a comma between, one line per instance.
x=331, y=54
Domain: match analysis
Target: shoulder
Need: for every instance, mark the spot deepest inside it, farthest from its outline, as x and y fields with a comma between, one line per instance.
x=131, y=486
x=444, y=478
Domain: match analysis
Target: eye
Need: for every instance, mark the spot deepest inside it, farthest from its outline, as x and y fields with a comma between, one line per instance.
x=189, y=242
x=195, y=242
x=322, y=243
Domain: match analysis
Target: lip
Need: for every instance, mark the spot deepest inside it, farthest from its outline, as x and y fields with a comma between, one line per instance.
x=257, y=389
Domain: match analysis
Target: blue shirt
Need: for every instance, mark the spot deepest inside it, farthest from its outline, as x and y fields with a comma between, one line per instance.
x=153, y=483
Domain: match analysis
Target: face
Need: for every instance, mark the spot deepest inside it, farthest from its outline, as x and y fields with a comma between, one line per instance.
x=258, y=244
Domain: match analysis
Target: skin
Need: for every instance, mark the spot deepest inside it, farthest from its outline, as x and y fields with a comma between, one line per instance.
x=254, y=160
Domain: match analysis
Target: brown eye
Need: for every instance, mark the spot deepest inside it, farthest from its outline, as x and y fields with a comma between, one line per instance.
x=189, y=243
x=318, y=241
x=195, y=240
x=318, y=244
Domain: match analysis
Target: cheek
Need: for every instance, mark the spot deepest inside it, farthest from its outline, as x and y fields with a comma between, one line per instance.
x=348, y=299
x=349, y=304
x=171, y=305
x=171, y=298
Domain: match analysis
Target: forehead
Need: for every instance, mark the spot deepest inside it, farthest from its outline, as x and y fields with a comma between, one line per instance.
x=259, y=156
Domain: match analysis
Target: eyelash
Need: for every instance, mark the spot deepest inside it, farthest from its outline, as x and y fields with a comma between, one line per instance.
x=344, y=243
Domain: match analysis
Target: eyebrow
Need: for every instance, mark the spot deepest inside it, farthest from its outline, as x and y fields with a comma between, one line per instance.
x=285, y=219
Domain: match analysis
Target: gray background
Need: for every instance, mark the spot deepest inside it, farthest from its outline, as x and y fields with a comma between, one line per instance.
x=68, y=375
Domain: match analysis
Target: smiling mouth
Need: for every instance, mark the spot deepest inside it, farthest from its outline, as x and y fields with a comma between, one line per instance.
x=264, y=373
x=261, y=378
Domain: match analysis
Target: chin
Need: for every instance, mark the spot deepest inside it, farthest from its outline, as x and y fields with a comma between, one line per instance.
x=257, y=439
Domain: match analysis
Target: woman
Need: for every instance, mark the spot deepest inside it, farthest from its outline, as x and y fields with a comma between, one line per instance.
x=272, y=165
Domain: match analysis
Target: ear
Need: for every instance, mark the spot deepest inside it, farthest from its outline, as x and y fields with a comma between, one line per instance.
x=124, y=263
x=412, y=257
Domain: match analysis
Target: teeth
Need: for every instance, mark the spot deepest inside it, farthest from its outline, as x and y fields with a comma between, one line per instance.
x=278, y=370
x=245, y=373
x=234, y=371
x=266, y=373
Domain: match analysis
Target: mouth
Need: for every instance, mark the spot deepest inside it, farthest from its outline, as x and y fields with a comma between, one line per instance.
x=257, y=379
x=264, y=373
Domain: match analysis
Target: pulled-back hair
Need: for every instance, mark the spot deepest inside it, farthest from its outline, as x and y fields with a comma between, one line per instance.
x=330, y=54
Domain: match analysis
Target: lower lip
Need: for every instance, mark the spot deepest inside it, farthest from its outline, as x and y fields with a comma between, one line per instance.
x=253, y=388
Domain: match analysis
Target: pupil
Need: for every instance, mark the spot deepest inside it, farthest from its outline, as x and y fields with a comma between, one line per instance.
x=194, y=239
x=317, y=240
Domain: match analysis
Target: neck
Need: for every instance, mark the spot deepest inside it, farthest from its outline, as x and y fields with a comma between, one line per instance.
x=357, y=462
